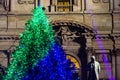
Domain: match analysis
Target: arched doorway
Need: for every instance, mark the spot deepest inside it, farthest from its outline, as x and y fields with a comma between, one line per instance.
x=69, y=35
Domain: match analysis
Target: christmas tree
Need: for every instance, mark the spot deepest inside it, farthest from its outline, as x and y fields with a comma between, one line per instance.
x=38, y=56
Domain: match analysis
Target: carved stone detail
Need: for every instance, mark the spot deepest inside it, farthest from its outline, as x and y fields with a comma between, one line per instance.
x=25, y=1
x=5, y=5
x=96, y=1
x=105, y=1
x=66, y=35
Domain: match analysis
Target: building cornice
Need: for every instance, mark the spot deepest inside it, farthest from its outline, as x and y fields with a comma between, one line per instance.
x=4, y=38
x=102, y=36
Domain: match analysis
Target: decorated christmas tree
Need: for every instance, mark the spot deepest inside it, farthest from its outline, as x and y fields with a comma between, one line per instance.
x=38, y=56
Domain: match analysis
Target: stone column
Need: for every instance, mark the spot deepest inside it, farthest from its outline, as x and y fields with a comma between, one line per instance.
x=53, y=5
x=89, y=53
x=89, y=49
x=75, y=2
x=89, y=45
x=8, y=56
x=114, y=64
x=70, y=2
x=117, y=64
x=53, y=2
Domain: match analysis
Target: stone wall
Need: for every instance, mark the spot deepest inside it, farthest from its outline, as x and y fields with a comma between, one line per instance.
x=102, y=16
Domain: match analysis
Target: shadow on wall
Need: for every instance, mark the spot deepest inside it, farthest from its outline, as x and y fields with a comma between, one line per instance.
x=2, y=71
x=82, y=56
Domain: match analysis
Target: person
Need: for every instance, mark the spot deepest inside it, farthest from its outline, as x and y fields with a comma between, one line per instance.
x=93, y=69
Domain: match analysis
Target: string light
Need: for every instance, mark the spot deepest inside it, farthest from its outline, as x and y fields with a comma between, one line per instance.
x=37, y=57
x=54, y=66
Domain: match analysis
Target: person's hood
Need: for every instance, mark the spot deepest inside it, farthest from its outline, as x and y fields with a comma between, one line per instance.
x=93, y=57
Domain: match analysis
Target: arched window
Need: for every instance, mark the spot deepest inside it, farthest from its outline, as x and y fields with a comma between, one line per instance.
x=74, y=61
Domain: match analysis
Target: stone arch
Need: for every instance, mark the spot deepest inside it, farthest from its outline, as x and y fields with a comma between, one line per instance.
x=70, y=35
x=84, y=27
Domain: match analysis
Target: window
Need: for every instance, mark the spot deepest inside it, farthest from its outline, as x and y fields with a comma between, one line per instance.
x=74, y=61
x=64, y=5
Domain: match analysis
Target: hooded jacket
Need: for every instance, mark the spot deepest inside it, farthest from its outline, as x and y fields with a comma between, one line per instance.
x=94, y=69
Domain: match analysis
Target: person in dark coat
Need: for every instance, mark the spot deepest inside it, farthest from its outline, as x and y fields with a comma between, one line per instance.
x=93, y=69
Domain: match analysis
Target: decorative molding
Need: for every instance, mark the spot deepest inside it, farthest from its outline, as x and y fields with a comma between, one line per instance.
x=105, y=1
x=115, y=36
x=74, y=24
x=66, y=35
x=20, y=2
x=95, y=1
x=5, y=5
x=101, y=36
x=105, y=36
x=88, y=35
x=9, y=38
x=31, y=2
x=25, y=2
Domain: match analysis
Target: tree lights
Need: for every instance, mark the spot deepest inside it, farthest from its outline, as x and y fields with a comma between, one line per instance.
x=38, y=56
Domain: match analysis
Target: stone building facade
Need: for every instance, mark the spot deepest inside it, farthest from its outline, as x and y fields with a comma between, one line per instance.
x=83, y=28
